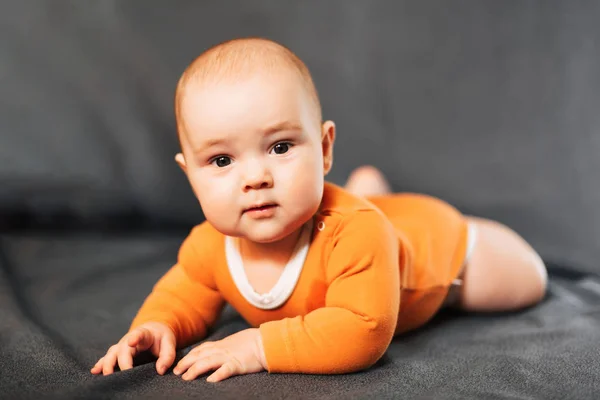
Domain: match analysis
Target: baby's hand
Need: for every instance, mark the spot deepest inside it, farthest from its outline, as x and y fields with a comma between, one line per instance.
x=240, y=353
x=153, y=336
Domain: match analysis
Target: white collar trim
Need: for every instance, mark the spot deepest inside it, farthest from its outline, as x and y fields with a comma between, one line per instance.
x=287, y=281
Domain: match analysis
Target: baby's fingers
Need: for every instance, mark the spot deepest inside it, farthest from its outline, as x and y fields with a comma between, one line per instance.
x=185, y=363
x=141, y=339
x=110, y=359
x=204, y=365
x=125, y=356
x=229, y=369
x=166, y=355
x=192, y=357
x=97, y=368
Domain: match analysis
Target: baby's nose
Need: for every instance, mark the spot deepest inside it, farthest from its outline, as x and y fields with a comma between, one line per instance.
x=257, y=176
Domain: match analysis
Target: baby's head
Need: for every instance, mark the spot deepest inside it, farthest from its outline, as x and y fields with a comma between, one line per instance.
x=253, y=145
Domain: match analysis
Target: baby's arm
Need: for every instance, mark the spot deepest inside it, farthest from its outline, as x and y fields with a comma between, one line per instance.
x=358, y=321
x=181, y=307
x=187, y=306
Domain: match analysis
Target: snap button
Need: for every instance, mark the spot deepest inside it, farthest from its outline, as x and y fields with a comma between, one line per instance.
x=321, y=225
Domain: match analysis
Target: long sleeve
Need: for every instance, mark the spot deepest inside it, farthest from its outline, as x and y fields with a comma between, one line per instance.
x=185, y=298
x=356, y=325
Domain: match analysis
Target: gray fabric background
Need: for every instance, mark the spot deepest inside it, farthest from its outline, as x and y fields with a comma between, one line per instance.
x=64, y=299
x=492, y=106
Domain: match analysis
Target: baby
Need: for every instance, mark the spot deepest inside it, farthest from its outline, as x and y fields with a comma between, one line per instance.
x=326, y=276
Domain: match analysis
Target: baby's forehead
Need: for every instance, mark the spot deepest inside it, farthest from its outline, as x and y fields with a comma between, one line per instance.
x=253, y=104
x=262, y=91
x=237, y=61
x=272, y=88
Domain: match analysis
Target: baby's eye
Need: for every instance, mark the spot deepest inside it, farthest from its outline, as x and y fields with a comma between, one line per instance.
x=221, y=161
x=281, y=148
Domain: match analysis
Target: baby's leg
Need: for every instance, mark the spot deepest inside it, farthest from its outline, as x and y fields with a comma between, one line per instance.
x=503, y=273
x=367, y=181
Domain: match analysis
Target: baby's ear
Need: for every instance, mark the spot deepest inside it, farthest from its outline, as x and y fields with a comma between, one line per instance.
x=181, y=162
x=327, y=140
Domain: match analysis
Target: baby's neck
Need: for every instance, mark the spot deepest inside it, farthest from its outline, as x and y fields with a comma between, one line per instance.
x=278, y=252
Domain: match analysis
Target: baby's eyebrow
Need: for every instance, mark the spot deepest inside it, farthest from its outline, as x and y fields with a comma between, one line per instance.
x=282, y=126
x=207, y=144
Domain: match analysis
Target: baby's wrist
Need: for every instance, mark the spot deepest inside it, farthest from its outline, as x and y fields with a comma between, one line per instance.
x=260, y=349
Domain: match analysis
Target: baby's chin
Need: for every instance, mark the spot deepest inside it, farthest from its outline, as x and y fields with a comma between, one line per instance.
x=262, y=233
x=265, y=236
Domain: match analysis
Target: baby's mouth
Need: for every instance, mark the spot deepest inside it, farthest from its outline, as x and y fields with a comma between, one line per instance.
x=261, y=207
x=261, y=211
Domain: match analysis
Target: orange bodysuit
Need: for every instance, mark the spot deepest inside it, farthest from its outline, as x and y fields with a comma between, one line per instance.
x=371, y=269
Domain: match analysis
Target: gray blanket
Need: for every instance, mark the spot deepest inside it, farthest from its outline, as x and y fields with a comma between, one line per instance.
x=64, y=298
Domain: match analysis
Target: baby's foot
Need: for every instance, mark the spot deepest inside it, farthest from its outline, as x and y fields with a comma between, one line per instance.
x=367, y=181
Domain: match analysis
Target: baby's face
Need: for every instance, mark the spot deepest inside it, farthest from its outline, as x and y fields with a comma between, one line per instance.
x=253, y=155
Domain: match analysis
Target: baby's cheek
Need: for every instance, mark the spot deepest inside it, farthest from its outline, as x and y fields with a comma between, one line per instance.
x=216, y=204
x=307, y=189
